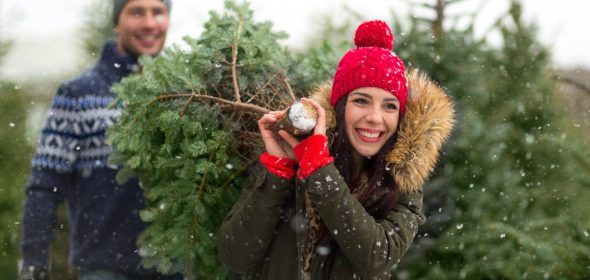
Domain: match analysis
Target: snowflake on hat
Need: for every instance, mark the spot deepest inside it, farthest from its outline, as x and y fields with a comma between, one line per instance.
x=372, y=63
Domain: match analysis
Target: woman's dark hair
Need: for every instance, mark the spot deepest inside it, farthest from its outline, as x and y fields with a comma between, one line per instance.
x=376, y=169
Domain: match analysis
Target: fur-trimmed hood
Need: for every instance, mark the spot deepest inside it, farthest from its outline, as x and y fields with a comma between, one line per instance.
x=425, y=126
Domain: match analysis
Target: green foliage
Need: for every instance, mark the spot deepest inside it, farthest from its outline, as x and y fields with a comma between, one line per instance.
x=517, y=196
x=183, y=164
x=97, y=27
x=515, y=168
x=4, y=48
x=17, y=103
x=15, y=155
x=189, y=154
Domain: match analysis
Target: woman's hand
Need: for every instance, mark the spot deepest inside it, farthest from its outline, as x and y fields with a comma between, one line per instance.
x=320, y=127
x=274, y=145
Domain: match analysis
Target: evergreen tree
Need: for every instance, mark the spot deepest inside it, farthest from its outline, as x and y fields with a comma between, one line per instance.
x=511, y=199
x=189, y=132
x=517, y=198
x=14, y=163
x=97, y=28
x=17, y=104
x=4, y=47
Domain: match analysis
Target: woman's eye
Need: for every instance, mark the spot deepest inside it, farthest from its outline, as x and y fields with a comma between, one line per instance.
x=360, y=101
x=391, y=106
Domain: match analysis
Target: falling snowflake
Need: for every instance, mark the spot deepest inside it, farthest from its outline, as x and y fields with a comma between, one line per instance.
x=323, y=250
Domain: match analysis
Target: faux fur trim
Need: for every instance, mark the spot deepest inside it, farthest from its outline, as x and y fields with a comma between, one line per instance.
x=426, y=125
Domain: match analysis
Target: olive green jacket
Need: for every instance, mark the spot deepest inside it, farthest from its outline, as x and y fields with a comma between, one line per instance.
x=265, y=234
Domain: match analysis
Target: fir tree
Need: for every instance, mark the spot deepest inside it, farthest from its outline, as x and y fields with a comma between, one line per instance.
x=516, y=197
x=14, y=163
x=15, y=152
x=97, y=28
x=189, y=132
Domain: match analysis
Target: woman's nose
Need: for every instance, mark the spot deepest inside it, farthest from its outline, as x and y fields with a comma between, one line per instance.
x=374, y=115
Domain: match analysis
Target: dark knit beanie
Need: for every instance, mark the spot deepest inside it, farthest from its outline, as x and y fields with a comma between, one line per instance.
x=371, y=64
x=119, y=4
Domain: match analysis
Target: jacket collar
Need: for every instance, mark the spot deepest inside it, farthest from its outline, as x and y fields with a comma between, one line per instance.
x=113, y=65
x=426, y=125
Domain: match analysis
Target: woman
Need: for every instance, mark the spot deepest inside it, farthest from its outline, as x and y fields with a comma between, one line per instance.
x=345, y=202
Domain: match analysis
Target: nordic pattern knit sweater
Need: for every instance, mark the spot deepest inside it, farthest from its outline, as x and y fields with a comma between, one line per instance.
x=70, y=165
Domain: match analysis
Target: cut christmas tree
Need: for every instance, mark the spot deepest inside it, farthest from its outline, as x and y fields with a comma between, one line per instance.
x=189, y=132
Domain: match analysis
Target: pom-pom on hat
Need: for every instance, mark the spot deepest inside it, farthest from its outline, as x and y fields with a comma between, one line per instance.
x=372, y=63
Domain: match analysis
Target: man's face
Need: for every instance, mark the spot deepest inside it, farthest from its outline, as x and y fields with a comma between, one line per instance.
x=142, y=27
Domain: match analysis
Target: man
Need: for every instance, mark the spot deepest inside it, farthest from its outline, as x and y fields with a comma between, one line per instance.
x=70, y=163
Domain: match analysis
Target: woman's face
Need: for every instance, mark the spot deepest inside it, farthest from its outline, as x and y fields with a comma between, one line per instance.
x=370, y=118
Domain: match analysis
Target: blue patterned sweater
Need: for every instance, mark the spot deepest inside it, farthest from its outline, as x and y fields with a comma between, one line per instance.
x=70, y=165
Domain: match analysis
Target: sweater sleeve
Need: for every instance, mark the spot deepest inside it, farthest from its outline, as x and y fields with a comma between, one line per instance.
x=39, y=218
x=248, y=229
x=370, y=244
x=51, y=176
x=60, y=142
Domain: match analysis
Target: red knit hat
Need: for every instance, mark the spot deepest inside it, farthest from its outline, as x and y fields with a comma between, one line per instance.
x=371, y=64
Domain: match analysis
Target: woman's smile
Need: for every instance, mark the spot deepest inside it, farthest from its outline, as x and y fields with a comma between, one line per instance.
x=370, y=116
x=368, y=135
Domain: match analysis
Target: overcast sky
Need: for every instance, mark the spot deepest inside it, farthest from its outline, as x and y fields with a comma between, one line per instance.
x=45, y=42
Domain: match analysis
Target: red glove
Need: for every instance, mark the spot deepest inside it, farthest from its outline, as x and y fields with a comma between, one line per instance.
x=282, y=167
x=312, y=154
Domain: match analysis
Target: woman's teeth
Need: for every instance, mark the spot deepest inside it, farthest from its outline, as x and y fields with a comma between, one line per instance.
x=369, y=134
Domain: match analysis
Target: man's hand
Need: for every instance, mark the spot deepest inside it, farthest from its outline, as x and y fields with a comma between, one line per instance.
x=33, y=273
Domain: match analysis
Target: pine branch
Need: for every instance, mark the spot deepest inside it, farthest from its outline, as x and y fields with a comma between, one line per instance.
x=289, y=89
x=186, y=106
x=233, y=104
x=585, y=88
x=239, y=172
x=437, y=25
x=204, y=178
x=545, y=251
x=234, y=54
x=582, y=161
x=260, y=91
